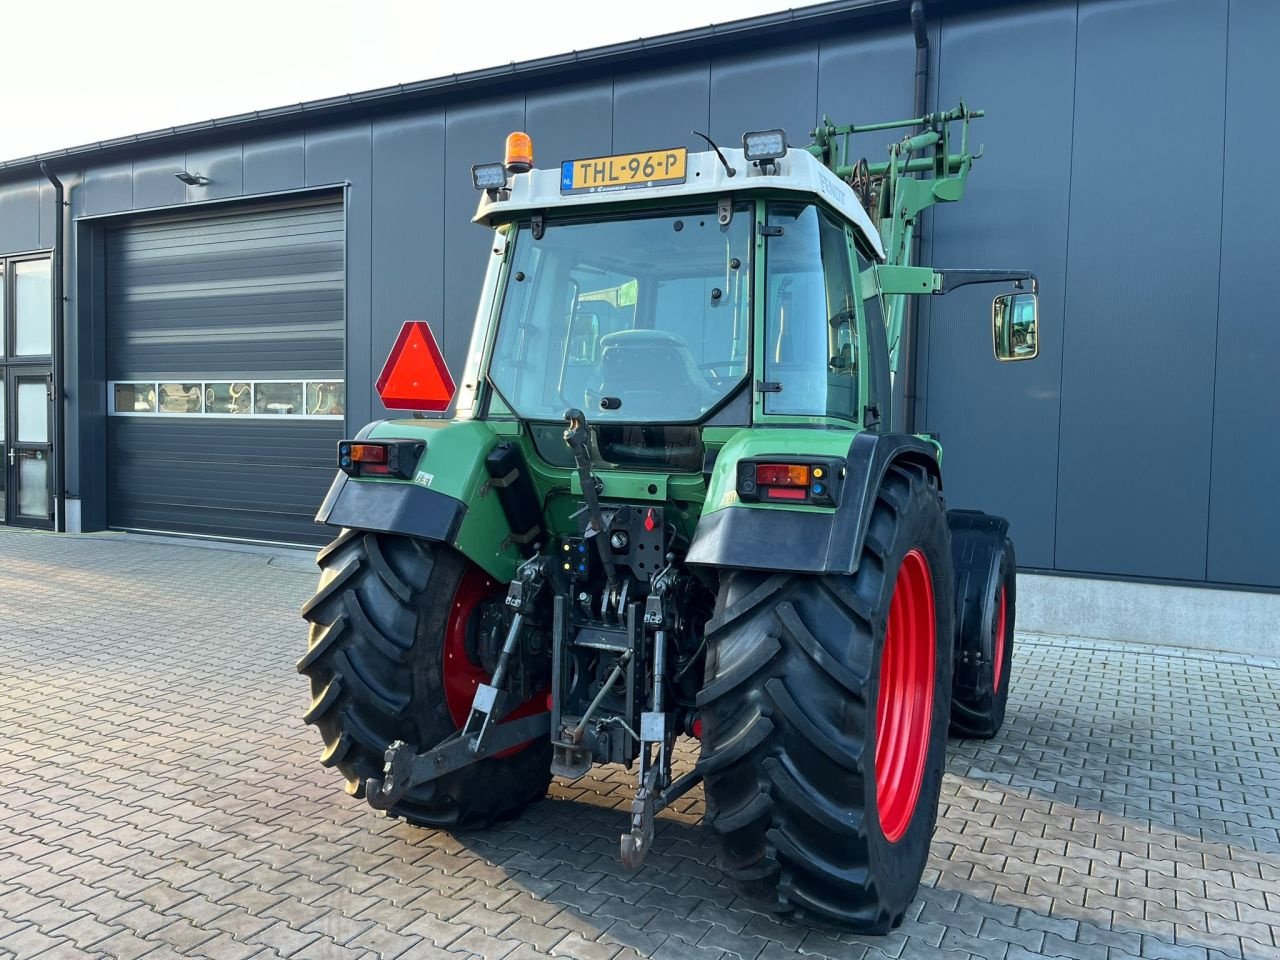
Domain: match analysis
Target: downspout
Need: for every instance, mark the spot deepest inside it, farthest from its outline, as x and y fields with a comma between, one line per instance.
x=920, y=104
x=59, y=362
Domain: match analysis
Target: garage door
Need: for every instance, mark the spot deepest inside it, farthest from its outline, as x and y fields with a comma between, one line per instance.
x=226, y=389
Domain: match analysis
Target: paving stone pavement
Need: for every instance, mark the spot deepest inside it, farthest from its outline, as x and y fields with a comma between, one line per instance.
x=159, y=797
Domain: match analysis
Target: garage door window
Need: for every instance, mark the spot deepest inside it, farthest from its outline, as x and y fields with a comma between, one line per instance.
x=310, y=399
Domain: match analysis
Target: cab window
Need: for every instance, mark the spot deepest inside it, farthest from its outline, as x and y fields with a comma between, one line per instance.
x=811, y=318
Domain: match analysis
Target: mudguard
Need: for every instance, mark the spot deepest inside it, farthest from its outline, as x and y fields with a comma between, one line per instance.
x=977, y=548
x=773, y=537
x=449, y=499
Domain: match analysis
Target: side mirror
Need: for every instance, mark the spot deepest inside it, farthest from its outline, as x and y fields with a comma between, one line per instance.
x=1014, y=326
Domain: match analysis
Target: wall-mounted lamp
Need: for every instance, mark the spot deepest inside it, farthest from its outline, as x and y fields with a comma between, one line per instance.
x=192, y=179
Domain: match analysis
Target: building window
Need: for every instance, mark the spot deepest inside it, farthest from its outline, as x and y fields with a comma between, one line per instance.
x=323, y=399
x=32, y=308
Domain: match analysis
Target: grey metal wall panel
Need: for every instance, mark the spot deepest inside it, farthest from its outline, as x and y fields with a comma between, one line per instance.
x=223, y=165
x=155, y=183
x=658, y=108
x=1142, y=289
x=999, y=421
x=759, y=91
x=107, y=189
x=47, y=212
x=19, y=217
x=274, y=164
x=1244, y=525
x=251, y=294
x=408, y=234
x=334, y=156
x=473, y=133
x=867, y=78
x=226, y=478
x=568, y=122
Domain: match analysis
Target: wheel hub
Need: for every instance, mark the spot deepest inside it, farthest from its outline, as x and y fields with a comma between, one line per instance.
x=904, y=708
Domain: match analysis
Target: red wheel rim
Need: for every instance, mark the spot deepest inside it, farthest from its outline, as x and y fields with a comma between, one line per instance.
x=904, y=708
x=998, y=645
x=461, y=675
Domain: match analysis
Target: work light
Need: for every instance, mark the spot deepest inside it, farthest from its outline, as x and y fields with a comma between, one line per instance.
x=764, y=144
x=489, y=176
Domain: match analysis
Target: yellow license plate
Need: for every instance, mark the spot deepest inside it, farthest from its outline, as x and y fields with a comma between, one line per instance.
x=625, y=171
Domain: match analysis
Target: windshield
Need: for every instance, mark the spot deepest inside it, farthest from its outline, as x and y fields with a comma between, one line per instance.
x=641, y=319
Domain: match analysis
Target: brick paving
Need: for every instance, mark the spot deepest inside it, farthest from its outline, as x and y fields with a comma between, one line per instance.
x=159, y=797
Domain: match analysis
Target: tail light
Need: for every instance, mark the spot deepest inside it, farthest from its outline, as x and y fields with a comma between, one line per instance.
x=809, y=481
x=380, y=458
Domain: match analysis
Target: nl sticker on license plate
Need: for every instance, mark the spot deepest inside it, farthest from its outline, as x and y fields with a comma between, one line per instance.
x=624, y=171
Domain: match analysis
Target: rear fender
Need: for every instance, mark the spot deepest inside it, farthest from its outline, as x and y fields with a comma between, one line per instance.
x=977, y=549
x=813, y=540
x=449, y=500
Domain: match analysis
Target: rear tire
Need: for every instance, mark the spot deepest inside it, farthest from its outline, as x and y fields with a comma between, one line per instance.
x=822, y=795
x=376, y=659
x=978, y=711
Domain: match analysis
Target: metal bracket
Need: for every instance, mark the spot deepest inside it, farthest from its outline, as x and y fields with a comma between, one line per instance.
x=724, y=211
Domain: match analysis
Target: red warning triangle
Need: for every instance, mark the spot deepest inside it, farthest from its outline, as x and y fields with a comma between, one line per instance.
x=415, y=376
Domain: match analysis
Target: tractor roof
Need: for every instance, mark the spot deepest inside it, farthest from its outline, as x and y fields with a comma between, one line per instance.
x=798, y=172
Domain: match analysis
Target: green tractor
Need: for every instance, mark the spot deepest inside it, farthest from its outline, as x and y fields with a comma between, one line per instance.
x=675, y=499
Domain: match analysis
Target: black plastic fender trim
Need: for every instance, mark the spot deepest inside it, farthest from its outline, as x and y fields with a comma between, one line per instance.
x=385, y=507
x=775, y=538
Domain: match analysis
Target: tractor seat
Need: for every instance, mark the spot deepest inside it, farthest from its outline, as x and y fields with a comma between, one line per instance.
x=653, y=373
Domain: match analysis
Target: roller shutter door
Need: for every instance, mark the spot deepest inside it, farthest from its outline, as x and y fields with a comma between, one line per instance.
x=225, y=369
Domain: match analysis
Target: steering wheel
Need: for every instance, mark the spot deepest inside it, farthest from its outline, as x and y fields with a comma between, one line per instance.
x=715, y=366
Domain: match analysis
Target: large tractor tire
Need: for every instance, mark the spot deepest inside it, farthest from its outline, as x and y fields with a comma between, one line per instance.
x=388, y=660
x=825, y=716
x=986, y=603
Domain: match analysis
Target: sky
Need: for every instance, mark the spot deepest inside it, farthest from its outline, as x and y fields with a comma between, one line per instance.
x=94, y=70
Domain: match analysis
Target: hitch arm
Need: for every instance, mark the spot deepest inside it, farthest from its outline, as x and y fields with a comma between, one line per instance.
x=405, y=769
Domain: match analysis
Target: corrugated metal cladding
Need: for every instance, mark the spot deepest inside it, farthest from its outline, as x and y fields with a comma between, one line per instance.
x=1118, y=141
x=256, y=294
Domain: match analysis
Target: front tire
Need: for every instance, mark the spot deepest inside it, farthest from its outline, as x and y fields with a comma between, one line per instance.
x=385, y=664
x=825, y=716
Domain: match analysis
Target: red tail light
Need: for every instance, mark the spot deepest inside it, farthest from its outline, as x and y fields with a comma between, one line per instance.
x=782, y=474
x=786, y=493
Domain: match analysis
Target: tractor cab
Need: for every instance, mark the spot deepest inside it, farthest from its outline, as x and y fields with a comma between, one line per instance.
x=666, y=291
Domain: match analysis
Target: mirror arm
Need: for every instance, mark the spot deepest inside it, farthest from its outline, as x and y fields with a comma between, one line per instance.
x=951, y=279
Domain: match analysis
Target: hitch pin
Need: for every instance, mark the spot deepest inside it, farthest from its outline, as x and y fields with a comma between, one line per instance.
x=595, y=704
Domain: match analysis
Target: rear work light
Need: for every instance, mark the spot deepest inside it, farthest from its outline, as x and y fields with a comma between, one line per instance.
x=810, y=481
x=764, y=145
x=380, y=458
x=489, y=176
